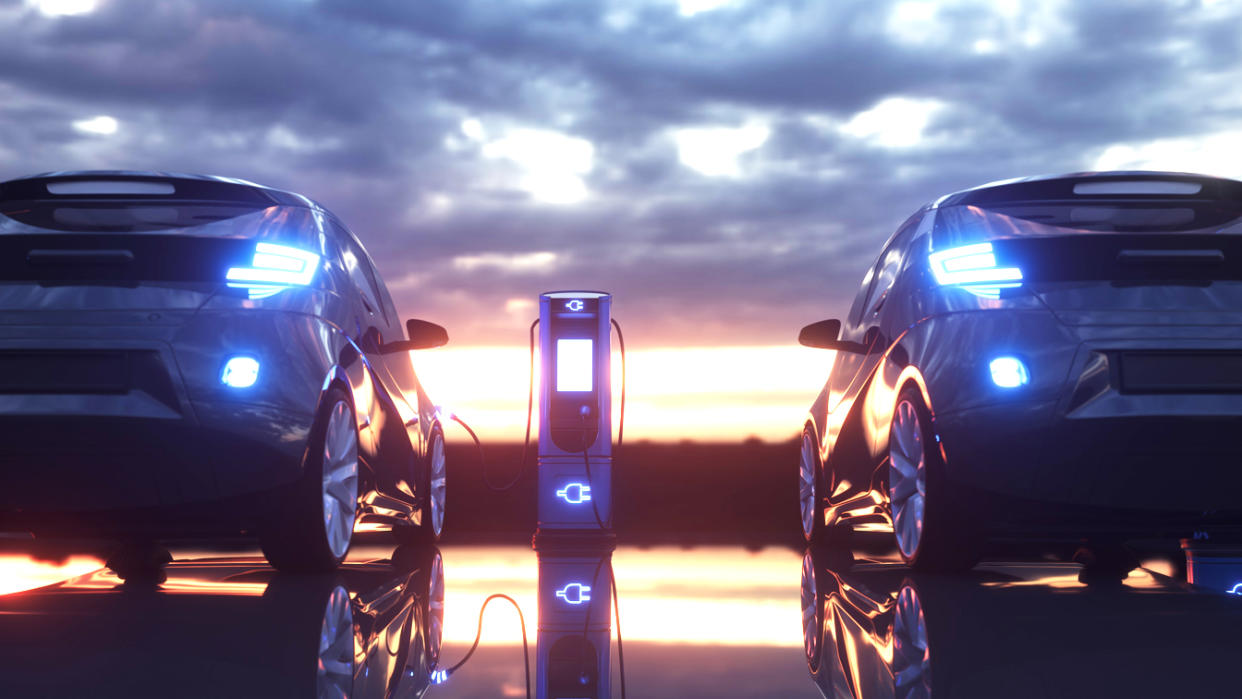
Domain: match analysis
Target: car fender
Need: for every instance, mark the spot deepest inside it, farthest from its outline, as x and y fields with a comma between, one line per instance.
x=894, y=373
x=351, y=373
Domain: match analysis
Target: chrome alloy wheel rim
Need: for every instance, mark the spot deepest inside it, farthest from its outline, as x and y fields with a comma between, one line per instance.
x=340, y=478
x=435, y=608
x=911, y=653
x=335, y=676
x=438, y=470
x=806, y=485
x=810, y=611
x=907, y=477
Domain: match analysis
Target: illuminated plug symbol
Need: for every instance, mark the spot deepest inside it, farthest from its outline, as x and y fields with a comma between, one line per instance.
x=575, y=305
x=575, y=593
x=575, y=493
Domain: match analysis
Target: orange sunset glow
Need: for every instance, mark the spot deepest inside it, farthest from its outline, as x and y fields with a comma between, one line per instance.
x=700, y=393
x=23, y=572
x=708, y=595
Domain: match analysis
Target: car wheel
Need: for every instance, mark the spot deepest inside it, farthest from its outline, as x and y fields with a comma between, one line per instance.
x=433, y=504
x=812, y=612
x=912, y=665
x=810, y=488
x=311, y=621
x=931, y=525
x=431, y=511
x=314, y=524
x=433, y=585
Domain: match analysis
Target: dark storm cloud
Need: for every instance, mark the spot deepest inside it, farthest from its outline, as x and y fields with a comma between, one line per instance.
x=360, y=105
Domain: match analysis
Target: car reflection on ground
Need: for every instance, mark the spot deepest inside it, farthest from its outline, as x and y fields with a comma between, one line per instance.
x=230, y=627
x=1013, y=630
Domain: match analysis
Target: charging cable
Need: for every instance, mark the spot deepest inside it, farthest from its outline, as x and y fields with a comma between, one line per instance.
x=616, y=610
x=530, y=405
x=586, y=459
x=444, y=675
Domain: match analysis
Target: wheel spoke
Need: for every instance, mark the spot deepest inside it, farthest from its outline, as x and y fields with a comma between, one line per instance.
x=342, y=646
x=902, y=487
x=912, y=527
x=343, y=491
x=901, y=434
x=337, y=440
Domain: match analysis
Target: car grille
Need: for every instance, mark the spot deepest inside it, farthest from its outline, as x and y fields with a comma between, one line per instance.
x=1181, y=372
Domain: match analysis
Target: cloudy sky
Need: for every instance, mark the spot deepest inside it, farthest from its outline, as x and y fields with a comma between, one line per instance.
x=727, y=168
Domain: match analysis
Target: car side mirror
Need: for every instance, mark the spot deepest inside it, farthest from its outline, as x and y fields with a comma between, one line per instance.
x=822, y=335
x=423, y=335
x=826, y=335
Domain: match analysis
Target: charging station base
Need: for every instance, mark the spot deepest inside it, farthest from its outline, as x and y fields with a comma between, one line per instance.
x=568, y=542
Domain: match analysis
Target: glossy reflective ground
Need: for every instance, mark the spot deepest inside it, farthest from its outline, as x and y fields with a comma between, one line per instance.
x=709, y=621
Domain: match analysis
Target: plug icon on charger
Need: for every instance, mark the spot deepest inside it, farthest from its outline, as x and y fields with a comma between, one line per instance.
x=575, y=493
x=575, y=593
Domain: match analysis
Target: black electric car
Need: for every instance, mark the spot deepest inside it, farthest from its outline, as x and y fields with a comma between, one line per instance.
x=184, y=355
x=882, y=631
x=1052, y=357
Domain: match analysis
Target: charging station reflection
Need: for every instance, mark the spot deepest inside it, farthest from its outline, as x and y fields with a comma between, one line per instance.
x=573, y=648
x=230, y=627
x=1012, y=630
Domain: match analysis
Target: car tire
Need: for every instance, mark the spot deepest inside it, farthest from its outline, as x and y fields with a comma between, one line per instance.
x=312, y=525
x=430, y=582
x=431, y=509
x=311, y=621
x=811, y=488
x=933, y=525
x=912, y=649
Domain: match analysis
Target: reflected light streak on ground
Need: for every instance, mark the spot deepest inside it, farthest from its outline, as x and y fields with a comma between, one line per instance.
x=23, y=572
x=178, y=585
x=704, y=393
x=707, y=596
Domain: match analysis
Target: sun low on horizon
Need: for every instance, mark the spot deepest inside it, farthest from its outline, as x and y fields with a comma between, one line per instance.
x=707, y=394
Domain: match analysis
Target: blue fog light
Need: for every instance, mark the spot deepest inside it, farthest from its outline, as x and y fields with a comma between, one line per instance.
x=1009, y=372
x=240, y=372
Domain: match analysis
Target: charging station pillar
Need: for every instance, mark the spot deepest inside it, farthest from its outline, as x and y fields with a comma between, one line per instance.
x=574, y=539
x=575, y=425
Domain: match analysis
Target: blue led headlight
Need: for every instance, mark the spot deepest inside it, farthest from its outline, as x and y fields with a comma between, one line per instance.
x=275, y=267
x=973, y=268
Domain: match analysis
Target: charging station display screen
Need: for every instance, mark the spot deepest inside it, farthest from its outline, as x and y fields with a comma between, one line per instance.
x=575, y=365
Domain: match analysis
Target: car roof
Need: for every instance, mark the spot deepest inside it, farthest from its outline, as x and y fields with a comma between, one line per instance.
x=1061, y=187
x=187, y=186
